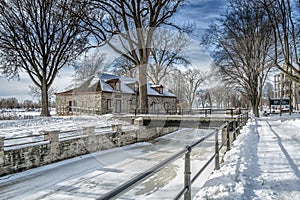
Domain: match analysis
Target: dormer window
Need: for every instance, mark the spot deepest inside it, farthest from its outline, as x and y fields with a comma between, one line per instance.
x=118, y=86
x=134, y=86
x=115, y=84
x=158, y=88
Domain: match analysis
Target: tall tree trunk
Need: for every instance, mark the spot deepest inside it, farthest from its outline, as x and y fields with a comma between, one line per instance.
x=44, y=91
x=190, y=105
x=255, y=110
x=255, y=105
x=142, y=69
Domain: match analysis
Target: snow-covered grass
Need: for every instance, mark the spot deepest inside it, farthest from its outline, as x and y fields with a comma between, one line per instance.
x=263, y=163
x=27, y=127
x=28, y=131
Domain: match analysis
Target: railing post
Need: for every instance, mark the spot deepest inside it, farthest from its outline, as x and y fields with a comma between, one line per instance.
x=239, y=124
x=117, y=128
x=228, y=136
x=224, y=134
x=234, y=126
x=90, y=132
x=187, y=175
x=139, y=122
x=52, y=136
x=217, y=159
x=1, y=154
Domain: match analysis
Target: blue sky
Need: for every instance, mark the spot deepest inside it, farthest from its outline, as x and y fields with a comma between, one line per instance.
x=200, y=12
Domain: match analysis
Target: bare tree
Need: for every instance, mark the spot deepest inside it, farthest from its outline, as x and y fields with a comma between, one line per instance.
x=243, y=41
x=39, y=37
x=35, y=92
x=283, y=16
x=9, y=103
x=174, y=80
x=132, y=23
x=89, y=65
x=167, y=52
x=218, y=95
x=204, y=98
x=192, y=81
x=123, y=67
x=28, y=104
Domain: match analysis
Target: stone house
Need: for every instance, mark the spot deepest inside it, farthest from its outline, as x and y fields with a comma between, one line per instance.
x=106, y=93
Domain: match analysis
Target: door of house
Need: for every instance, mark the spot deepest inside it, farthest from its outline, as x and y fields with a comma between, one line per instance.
x=70, y=105
x=118, y=106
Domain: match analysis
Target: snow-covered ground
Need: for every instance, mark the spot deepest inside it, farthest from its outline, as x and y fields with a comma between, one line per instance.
x=264, y=163
x=25, y=127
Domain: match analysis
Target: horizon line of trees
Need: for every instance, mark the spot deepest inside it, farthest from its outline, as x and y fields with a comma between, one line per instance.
x=14, y=103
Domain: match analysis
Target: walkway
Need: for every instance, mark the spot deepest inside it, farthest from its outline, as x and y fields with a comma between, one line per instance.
x=263, y=163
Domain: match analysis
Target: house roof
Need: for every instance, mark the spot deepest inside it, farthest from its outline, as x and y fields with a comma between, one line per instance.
x=100, y=82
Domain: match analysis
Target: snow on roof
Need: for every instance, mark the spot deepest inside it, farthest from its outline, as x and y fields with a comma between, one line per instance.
x=124, y=85
x=153, y=92
x=156, y=86
x=105, y=87
x=168, y=93
x=125, y=81
x=94, y=81
x=107, y=77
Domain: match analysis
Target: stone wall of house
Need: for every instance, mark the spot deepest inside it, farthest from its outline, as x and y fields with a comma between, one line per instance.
x=53, y=149
x=87, y=103
x=102, y=103
x=81, y=103
x=62, y=104
x=126, y=102
x=106, y=107
x=162, y=105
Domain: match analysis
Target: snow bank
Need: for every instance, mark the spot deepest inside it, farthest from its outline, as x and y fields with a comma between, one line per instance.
x=262, y=164
x=27, y=127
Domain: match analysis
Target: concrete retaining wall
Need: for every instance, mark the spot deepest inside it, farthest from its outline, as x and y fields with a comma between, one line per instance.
x=53, y=149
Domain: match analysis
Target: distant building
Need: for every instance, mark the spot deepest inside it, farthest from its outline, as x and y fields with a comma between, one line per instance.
x=106, y=93
x=267, y=93
x=285, y=88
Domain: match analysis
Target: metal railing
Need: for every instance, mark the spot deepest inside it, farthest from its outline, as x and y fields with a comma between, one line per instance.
x=229, y=131
x=199, y=111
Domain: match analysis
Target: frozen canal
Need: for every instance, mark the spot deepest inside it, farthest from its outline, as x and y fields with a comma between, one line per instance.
x=90, y=176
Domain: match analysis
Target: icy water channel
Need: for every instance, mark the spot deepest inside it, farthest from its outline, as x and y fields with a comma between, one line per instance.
x=91, y=176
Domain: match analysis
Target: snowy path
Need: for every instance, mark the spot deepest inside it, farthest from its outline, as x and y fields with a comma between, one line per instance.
x=263, y=163
x=90, y=176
